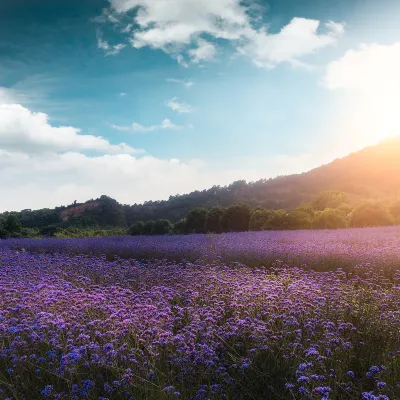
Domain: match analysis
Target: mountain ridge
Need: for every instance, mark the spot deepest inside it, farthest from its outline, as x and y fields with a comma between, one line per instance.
x=371, y=173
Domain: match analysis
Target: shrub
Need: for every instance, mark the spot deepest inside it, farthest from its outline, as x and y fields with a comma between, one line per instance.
x=258, y=219
x=329, y=219
x=370, y=214
x=213, y=220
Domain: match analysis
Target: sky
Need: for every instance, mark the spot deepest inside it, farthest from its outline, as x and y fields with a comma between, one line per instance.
x=143, y=99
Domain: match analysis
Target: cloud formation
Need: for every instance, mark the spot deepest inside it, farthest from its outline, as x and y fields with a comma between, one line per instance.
x=179, y=106
x=295, y=40
x=109, y=50
x=205, y=51
x=53, y=166
x=30, y=132
x=166, y=124
x=187, y=84
x=181, y=30
x=372, y=67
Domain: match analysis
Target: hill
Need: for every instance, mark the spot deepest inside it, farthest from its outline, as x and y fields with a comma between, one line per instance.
x=372, y=173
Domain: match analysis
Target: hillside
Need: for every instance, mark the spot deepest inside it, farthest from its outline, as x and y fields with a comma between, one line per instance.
x=372, y=173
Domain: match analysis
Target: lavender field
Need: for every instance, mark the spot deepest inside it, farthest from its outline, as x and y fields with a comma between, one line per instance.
x=262, y=315
x=323, y=250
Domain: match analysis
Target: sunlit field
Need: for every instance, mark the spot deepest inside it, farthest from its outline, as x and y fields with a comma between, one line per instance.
x=265, y=315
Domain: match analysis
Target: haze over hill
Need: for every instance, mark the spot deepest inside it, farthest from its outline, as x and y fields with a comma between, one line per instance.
x=372, y=173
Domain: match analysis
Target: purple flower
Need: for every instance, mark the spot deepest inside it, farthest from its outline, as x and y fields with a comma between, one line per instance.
x=303, y=379
x=289, y=386
x=47, y=391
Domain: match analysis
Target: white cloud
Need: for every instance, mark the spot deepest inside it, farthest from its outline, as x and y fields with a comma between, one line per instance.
x=295, y=40
x=337, y=28
x=369, y=81
x=166, y=124
x=127, y=29
x=42, y=165
x=180, y=29
x=107, y=15
x=123, y=94
x=368, y=68
x=172, y=29
x=205, y=51
x=30, y=132
x=59, y=179
x=187, y=84
x=179, y=106
x=8, y=95
x=109, y=50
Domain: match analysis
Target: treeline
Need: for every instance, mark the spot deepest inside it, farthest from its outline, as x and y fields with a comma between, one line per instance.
x=330, y=210
x=10, y=227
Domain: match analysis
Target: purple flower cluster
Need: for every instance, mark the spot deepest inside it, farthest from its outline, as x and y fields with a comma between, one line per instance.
x=82, y=327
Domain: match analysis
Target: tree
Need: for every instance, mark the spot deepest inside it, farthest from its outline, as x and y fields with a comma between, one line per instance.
x=179, y=227
x=12, y=224
x=49, y=231
x=147, y=228
x=329, y=219
x=236, y=218
x=161, y=227
x=195, y=220
x=213, y=220
x=277, y=220
x=136, y=229
x=307, y=208
x=4, y=234
x=298, y=220
x=329, y=199
x=258, y=219
x=370, y=214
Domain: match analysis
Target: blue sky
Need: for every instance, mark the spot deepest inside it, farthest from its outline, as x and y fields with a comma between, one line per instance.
x=142, y=99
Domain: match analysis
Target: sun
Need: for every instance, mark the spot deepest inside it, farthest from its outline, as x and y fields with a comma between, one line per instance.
x=367, y=78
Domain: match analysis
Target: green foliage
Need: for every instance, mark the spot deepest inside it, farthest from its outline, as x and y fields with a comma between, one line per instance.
x=259, y=219
x=136, y=229
x=109, y=213
x=158, y=227
x=196, y=220
x=49, y=231
x=298, y=220
x=329, y=199
x=161, y=227
x=329, y=219
x=236, y=218
x=306, y=208
x=213, y=220
x=72, y=232
x=179, y=227
x=11, y=224
x=276, y=220
x=39, y=218
x=147, y=228
x=10, y=227
x=370, y=214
